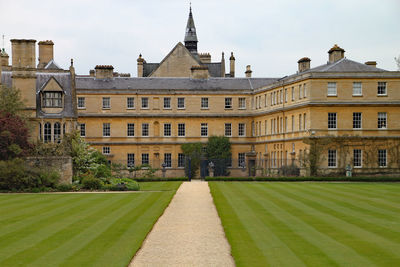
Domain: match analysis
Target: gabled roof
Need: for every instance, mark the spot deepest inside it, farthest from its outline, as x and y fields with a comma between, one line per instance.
x=167, y=56
x=52, y=66
x=48, y=81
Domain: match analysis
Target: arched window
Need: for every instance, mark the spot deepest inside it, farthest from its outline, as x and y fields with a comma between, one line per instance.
x=57, y=132
x=47, y=132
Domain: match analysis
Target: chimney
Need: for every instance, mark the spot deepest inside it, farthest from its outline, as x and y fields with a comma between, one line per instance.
x=205, y=57
x=232, y=61
x=3, y=58
x=304, y=64
x=140, y=62
x=248, y=71
x=91, y=73
x=223, y=65
x=104, y=71
x=371, y=63
x=199, y=72
x=45, y=53
x=335, y=53
x=23, y=53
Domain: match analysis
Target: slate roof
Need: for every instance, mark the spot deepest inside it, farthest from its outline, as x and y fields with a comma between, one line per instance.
x=214, y=69
x=64, y=79
x=345, y=65
x=148, y=68
x=52, y=66
x=91, y=83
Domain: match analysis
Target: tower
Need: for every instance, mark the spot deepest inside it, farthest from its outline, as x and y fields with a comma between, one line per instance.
x=190, y=35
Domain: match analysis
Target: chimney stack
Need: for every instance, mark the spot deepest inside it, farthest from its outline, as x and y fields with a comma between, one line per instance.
x=371, y=63
x=45, y=53
x=335, y=53
x=232, y=61
x=248, y=71
x=23, y=53
x=104, y=71
x=304, y=64
x=199, y=72
x=140, y=62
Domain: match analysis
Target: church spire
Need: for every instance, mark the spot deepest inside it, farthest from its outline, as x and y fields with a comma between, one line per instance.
x=190, y=34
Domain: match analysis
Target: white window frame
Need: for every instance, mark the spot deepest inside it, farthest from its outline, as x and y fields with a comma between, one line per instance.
x=167, y=129
x=382, y=86
x=106, y=129
x=332, y=158
x=145, y=158
x=81, y=102
x=145, y=103
x=106, y=150
x=168, y=160
x=242, y=129
x=382, y=152
x=357, y=89
x=167, y=103
x=82, y=129
x=204, y=103
x=130, y=103
x=228, y=102
x=180, y=103
x=357, y=119
x=130, y=129
x=228, y=129
x=330, y=117
x=181, y=160
x=181, y=129
x=204, y=129
x=332, y=89
x=357, y=162
x=106, y=103
x=382, y=120
x=130, y=160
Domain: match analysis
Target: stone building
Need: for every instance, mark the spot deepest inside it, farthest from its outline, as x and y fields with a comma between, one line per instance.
x=343, y=112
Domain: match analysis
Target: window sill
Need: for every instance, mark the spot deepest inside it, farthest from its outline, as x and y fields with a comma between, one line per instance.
x=381, y=95
x=181, y=108
x=357, y=167
x=167, y=108
x=130, y=108
x=331, y=95
x=205, y=108
x=242, y=108
x=144, y=108
x=106, y=136
x=357, y=95
x=106, y=108
x=332, y=129
x=228, y=108
x=80, y=108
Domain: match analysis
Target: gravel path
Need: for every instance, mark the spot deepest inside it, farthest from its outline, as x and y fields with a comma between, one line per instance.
x=189, y=233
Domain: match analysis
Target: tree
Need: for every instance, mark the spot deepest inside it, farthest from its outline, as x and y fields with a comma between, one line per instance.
x=10, y=100
x=219, y=152
x=14, y=136
x=193, y=154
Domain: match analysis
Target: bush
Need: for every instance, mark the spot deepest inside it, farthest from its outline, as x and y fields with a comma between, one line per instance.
x=15, y=175
x=122, y=184
x=161, y=179
x=309, y=179
x=91, y=183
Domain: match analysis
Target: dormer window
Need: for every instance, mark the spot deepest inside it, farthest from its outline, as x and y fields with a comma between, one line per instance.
x=52, y=99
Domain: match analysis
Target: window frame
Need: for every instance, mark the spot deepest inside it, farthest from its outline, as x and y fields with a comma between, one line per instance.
x=228, y=103
x=330, y=124
x=356, y=88
x=106, y=129
x=145, y=129
x=181, y=160
x=106, y=102
x=130, y=129
x=204, y=129
x=180, y=103
x=242, y=103
x=81, y=103
x=130, y=102
x=228, y=129
x=355, y=115
x=204, y=103
x=167, y=103
x=357, y=159
x=379, y=87
x=167, y=132
x=106, y=150
x=145, y=103
x=382, y=121
x=380, y=160
x=181, y=128
x=332, y=156
x=241, y=129
x=145, y=158
x=330, y=89
x=52, y=99
x=130, y=160
x=167, y=160
x=82, y=129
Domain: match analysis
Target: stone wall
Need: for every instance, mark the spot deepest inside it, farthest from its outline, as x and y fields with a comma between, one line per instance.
x=63, y=165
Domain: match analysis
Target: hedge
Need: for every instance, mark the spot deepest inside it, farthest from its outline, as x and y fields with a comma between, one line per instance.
x=161, y=179
x=308, y=179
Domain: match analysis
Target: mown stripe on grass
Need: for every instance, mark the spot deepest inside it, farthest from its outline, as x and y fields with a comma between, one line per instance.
x=90, y=206
x=359, y=239
x=377, y=200
x=386, y=224
x=314, y=246
x=30, y=214
x=273, y=249
x=108, y=242
x=72, y=236
x=235, y=231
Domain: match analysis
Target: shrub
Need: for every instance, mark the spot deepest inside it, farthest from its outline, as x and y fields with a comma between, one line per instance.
x=15, y=175
x=91, y=183
x=122, y=184
x=65, y=187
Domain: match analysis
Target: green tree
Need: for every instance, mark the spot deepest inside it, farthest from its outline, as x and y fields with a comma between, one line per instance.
x=193, y=154
x=10, y=100
x=219, y=152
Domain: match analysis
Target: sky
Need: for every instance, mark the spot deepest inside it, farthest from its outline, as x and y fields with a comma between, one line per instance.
x=269, y=35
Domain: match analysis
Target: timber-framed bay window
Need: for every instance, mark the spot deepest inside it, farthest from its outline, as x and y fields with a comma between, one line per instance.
x=52, y=99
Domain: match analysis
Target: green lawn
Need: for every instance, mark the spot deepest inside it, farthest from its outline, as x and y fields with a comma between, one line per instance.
x=78, y=229
x=313, y=224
